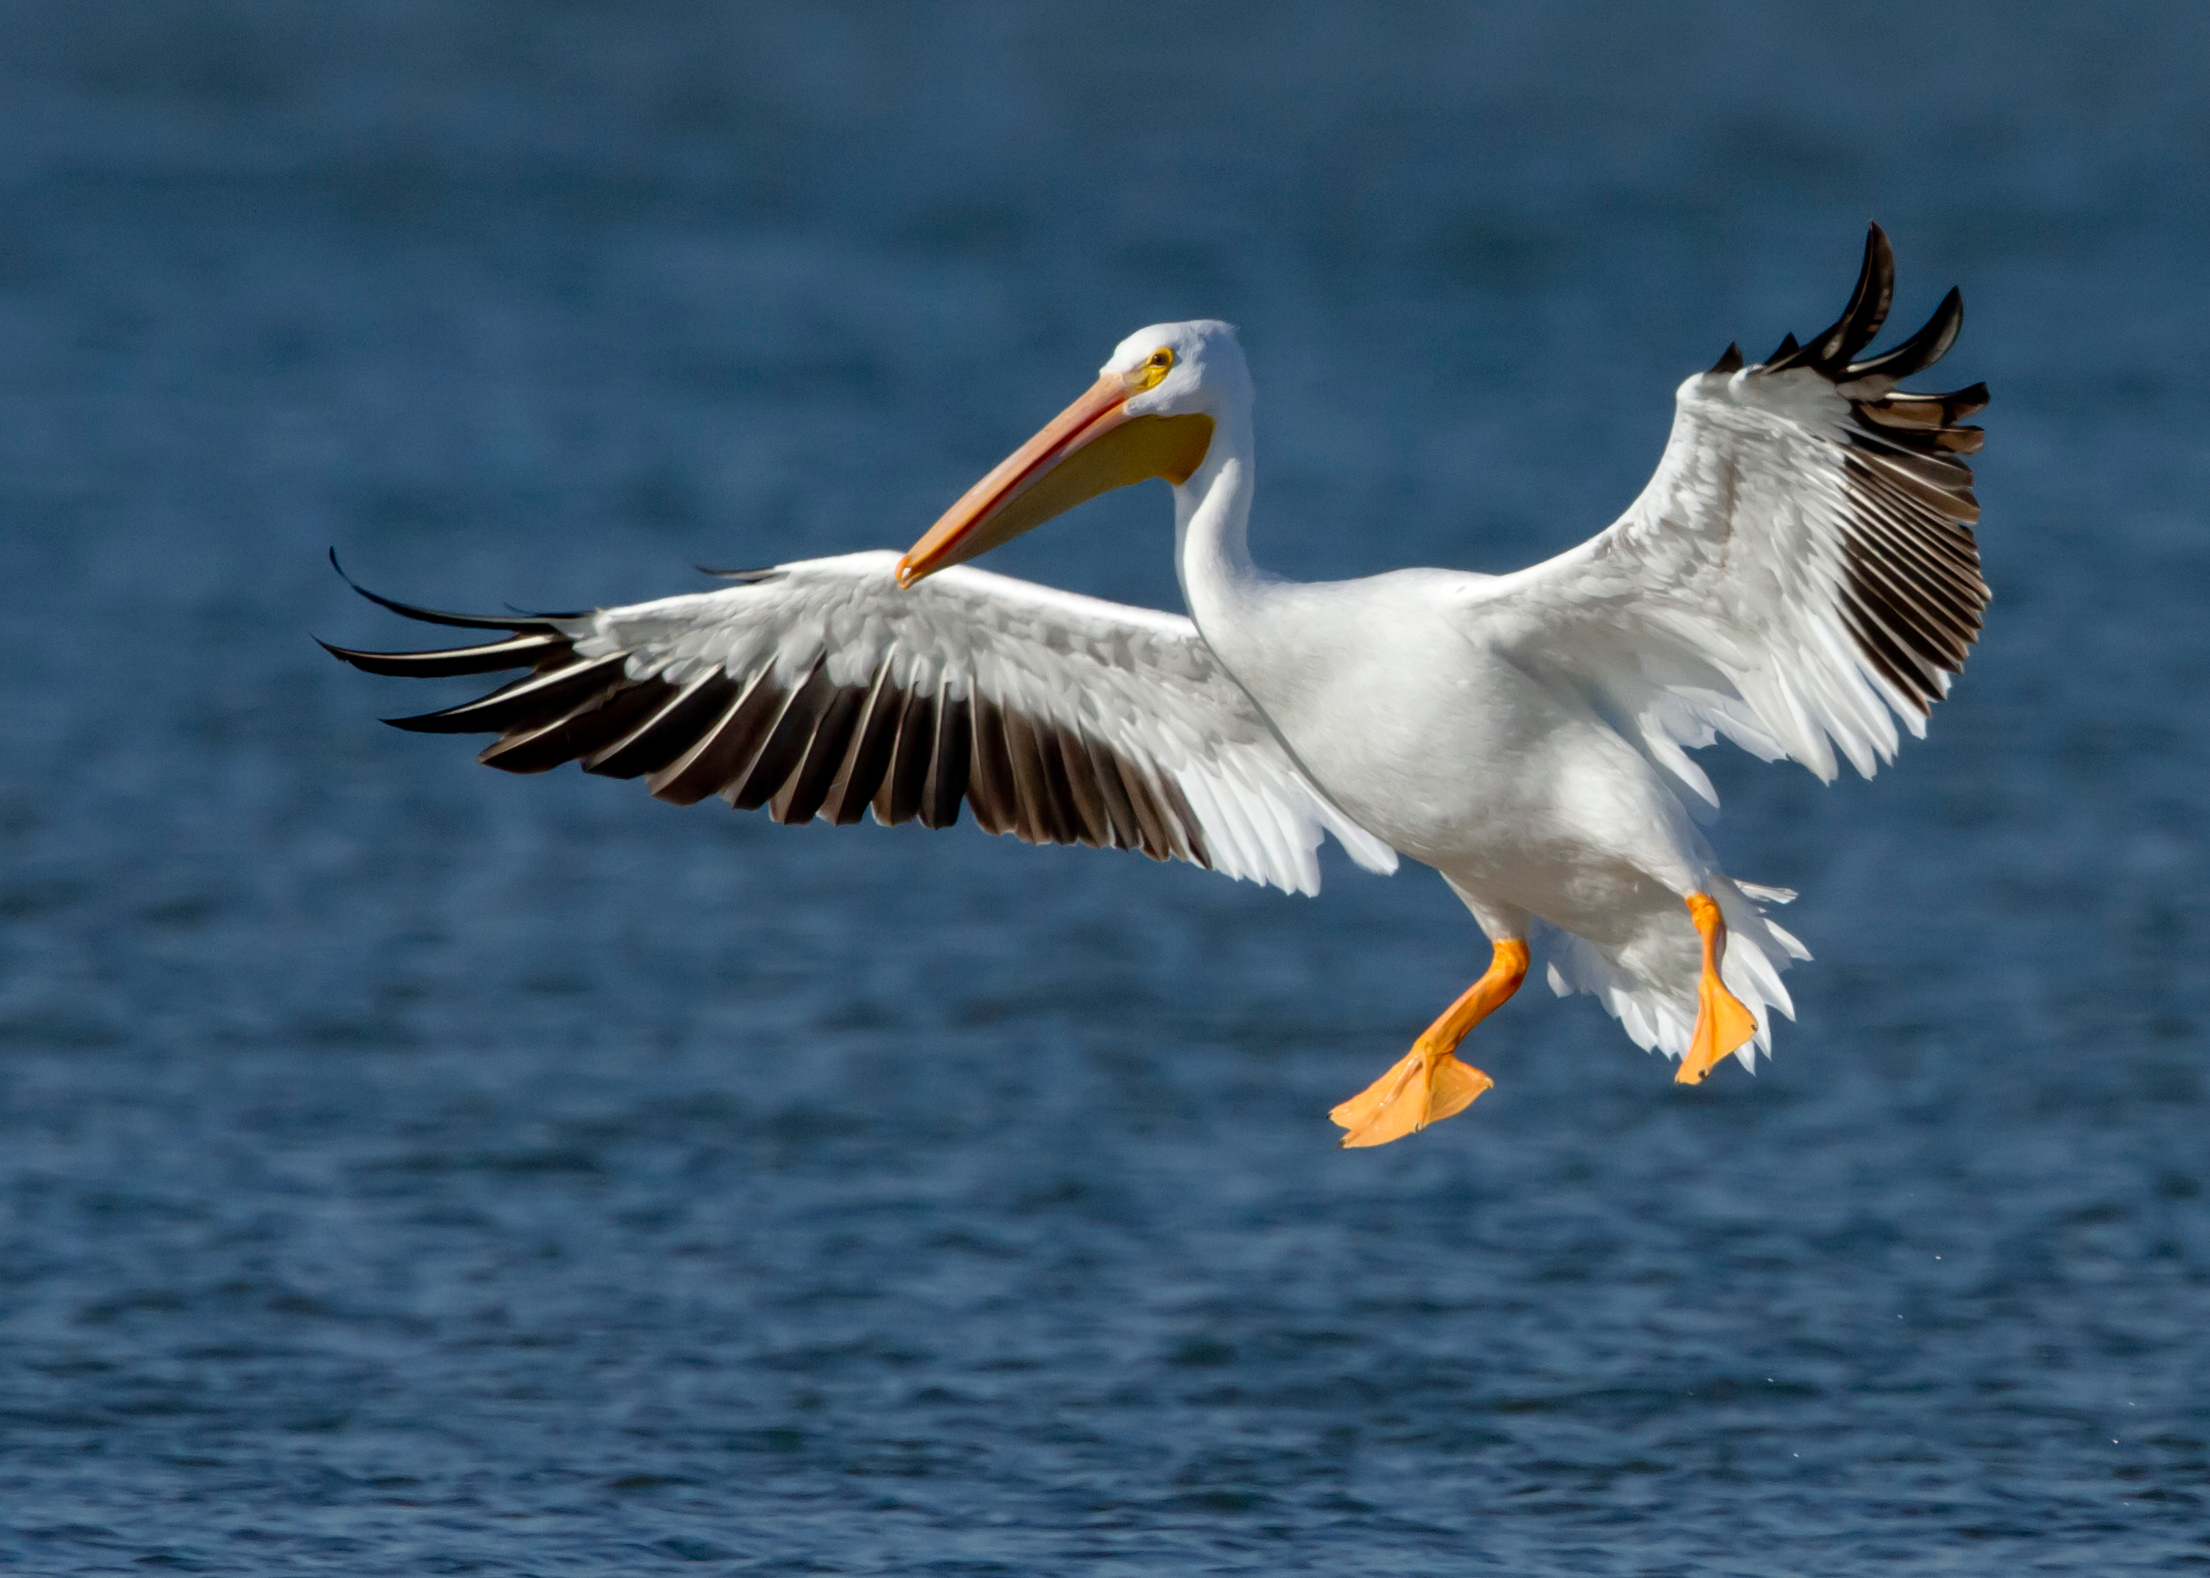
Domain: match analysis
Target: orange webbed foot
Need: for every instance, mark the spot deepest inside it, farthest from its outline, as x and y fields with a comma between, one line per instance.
x=1428, y=1084
x=1723, y=1024
x=1425, y=1086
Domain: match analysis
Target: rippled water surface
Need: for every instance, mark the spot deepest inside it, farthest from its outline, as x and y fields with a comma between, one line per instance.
x=409, y=1168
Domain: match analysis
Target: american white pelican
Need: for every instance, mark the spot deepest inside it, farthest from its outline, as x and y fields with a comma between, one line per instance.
x=1798, y=575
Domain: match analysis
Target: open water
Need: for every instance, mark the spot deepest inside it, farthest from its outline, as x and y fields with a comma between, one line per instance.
x=412, y=1169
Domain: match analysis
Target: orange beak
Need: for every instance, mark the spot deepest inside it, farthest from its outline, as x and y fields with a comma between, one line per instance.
x=1091, y=447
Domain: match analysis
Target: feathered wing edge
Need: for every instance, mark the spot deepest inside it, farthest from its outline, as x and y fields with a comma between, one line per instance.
x=837, y=737
x=1911, y=593
x=1903, y=573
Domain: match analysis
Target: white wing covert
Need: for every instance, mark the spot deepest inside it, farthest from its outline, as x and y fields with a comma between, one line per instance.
x=1799, y=573
x=820, y=688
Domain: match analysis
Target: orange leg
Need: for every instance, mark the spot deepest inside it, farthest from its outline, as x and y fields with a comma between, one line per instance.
x=1428, y=1084
x=1722, y=1023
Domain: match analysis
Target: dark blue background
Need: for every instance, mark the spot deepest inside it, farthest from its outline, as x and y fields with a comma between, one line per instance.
x=409, y=1168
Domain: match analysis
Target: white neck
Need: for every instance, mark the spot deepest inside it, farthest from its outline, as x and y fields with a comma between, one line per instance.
x=1212, y=518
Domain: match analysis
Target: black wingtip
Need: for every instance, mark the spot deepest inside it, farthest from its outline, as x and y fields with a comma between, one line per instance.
x=1835, y=344
x=1730, y=360
x=1922, y=349
x=746, y=577
x=433, y=616
x=439, y=722
x=1781, y=352
x=528, y=649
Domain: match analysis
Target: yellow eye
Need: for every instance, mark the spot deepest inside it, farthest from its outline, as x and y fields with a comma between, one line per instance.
x=1154, y=367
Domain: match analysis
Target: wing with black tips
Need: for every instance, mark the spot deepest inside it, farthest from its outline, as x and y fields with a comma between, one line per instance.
x=1801, y=570
x=821, y=689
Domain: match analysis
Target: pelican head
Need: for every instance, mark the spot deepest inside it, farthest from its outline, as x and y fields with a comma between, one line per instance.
x=1151, y=413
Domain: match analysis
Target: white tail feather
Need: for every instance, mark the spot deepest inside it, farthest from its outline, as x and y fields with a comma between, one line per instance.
x=1649, y=985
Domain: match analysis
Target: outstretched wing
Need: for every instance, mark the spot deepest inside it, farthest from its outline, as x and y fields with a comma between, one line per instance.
x=822, y=689
x=1800, y=572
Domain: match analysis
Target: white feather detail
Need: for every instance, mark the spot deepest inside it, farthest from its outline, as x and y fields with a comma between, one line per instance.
x=1657, y=1006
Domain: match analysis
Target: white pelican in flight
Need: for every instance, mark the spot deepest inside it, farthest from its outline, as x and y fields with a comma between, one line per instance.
x=1799, y=576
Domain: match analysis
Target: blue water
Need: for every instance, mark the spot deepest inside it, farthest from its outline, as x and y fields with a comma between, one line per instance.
x=409, y=1168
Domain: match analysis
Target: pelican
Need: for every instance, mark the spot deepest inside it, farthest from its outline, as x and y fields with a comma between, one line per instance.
x=1799, y=576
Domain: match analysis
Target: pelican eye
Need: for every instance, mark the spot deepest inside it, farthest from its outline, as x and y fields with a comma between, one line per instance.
x=1147, y=373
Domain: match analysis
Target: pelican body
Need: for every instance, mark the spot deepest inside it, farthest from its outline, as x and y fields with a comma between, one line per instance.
x=1799, y=576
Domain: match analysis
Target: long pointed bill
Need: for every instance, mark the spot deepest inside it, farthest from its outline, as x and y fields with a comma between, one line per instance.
x=1091, y=447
